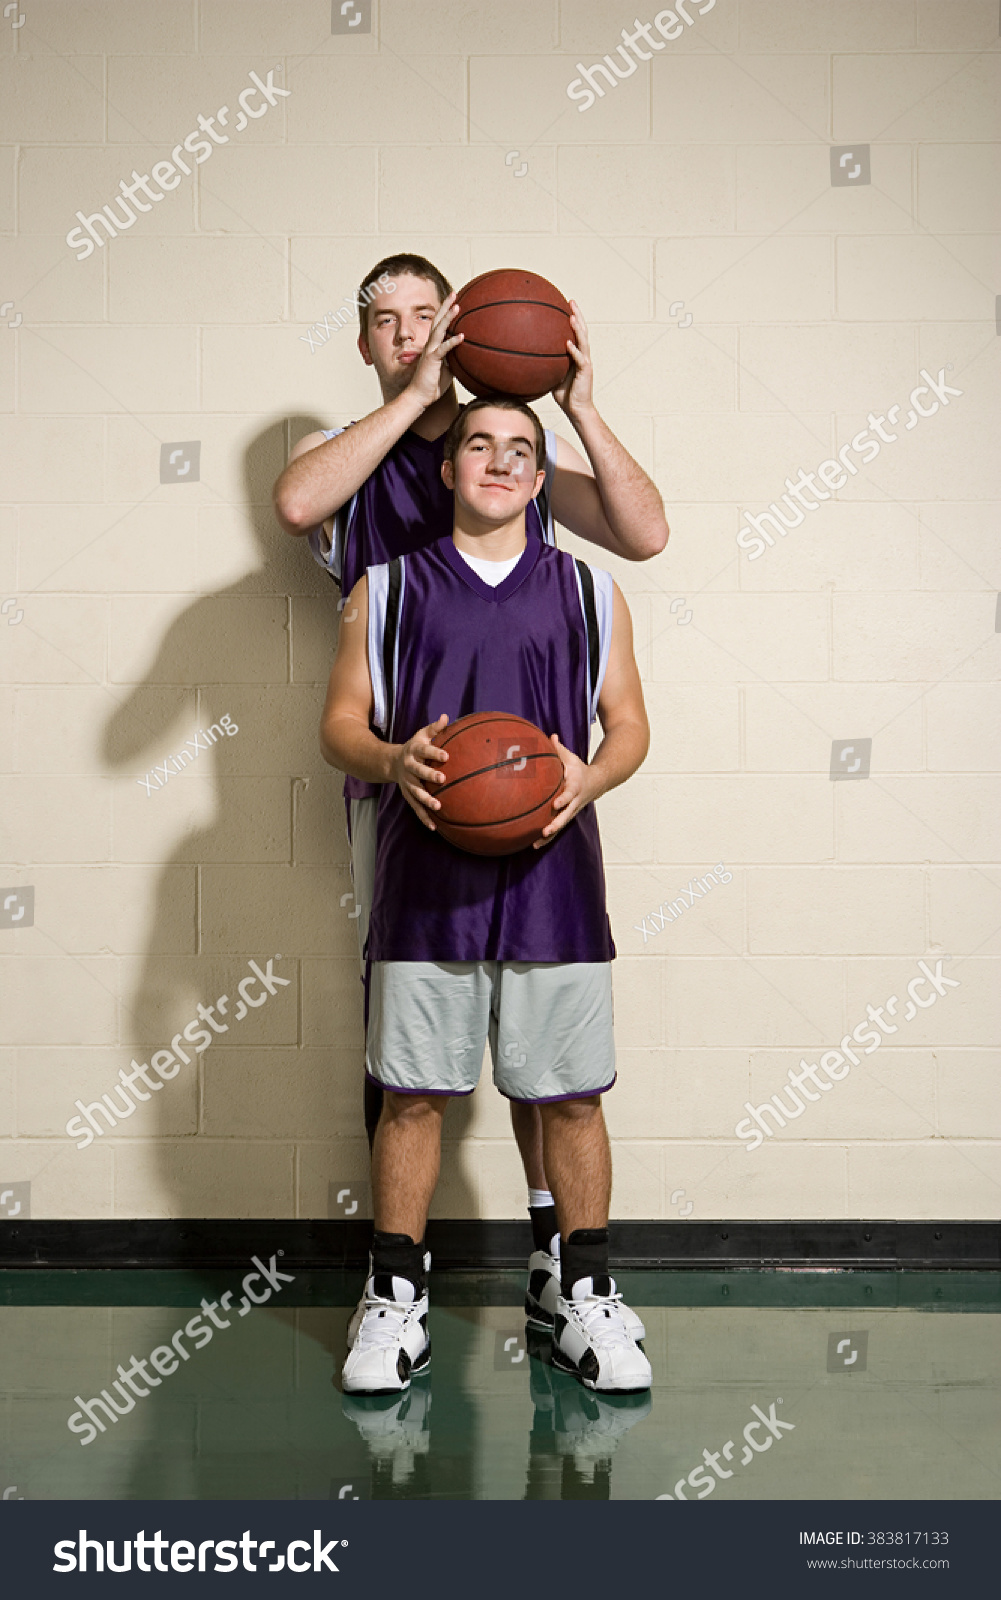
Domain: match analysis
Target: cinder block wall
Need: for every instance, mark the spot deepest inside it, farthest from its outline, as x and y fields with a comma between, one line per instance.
x=146, y=611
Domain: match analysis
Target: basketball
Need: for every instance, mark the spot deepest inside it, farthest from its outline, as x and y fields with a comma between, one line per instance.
x=501, y=777
x=515, y=326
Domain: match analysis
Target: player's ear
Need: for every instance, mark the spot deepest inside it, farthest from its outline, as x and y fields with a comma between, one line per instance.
x=448, y=475
x=366, y=353
x=540, y=478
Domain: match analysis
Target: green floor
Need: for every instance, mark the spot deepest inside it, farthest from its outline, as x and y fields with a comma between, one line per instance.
x=907, y=1408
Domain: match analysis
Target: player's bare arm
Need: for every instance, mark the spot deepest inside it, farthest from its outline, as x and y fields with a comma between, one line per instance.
x=346, y=739
x=624, y=726
x=616, y=505
x=322, y=474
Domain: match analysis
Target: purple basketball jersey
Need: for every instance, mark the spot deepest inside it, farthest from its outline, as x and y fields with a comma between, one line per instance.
x=441, y=640
x=402, y=507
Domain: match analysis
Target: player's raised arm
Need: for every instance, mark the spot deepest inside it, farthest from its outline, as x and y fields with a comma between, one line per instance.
x=322, y=474
x=608, y=498
x=624, y=724
x=346, y=738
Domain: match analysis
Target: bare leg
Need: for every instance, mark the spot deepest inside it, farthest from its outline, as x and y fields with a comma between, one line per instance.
x=579, y=1163
x=526, y=1121
x=406, y=1158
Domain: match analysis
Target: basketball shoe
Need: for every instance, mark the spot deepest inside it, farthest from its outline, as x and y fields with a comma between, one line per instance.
x=392, y=1340
x=359, y=1310
x=544, y=1291
x=590, y=1339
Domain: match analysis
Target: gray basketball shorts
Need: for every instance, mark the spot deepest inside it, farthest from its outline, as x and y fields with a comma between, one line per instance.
x=548, y=1024
x=364, y=815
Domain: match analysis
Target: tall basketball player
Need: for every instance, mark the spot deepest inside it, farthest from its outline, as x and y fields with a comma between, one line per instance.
x=374, y=490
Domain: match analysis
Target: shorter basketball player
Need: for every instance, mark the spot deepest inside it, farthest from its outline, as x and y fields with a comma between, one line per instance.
x=465, y=948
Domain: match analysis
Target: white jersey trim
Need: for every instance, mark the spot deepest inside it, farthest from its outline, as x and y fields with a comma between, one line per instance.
x=378, y=595
x=604, y=598
x=546, y=492
x=603, y=604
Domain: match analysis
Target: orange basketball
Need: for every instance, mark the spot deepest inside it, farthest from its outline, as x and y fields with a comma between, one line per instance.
x=515, y=327
x=501, y=777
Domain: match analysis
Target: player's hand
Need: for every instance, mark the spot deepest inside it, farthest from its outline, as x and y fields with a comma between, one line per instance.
x=431, y=376
x=578, y=790
x=576, y=391
x=416, y=777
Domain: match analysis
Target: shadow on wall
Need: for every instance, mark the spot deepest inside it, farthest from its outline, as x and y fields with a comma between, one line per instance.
x=267, y=1108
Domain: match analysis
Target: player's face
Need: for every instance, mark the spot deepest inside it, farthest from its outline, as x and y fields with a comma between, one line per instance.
x=399, y=321
x=495, y=473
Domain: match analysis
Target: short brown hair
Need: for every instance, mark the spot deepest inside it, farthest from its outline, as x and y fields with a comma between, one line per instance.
x=394, y=266
x=457, y=432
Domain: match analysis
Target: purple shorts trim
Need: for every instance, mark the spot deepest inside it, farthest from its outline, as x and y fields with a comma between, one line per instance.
x=554, y=1099
x=392, y=1088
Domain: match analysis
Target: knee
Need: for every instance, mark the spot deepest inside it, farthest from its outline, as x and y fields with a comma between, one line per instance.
x=523, y=1113
x=565, y=1113
x=411, y=1109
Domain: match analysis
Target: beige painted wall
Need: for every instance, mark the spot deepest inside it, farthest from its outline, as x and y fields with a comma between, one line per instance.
x=150, y=610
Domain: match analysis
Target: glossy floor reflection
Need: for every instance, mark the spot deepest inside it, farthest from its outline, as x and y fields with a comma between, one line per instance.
x=766, y=1386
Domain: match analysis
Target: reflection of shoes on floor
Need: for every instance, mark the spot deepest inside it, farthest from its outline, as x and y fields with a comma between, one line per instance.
x=588, y=1426
x=544, y=1289
x=359, y=1310
x=392, y=1341
x=540, y=1372
x=394, y=1427
x=590, y=1340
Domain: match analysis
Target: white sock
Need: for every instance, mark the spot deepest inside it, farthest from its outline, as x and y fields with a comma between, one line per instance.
x=539, y=1197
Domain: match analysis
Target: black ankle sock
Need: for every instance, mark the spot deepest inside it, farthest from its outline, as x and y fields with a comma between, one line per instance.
x=584, y=1255
x=544, y=1225
x=396, y=1255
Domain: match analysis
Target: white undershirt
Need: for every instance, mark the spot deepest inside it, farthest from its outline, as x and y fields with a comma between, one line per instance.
x=492, y=572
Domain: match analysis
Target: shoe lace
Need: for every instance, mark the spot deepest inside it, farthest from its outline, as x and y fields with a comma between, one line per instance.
x=385, y=1321
x=601, y=1317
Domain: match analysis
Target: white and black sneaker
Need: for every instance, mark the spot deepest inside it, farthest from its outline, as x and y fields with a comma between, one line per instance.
x=359, y=1311
x=544, y=1291
x=392, y=1341
x=590, y=1339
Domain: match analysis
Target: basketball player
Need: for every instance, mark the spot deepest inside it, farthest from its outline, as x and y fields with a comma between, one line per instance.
x=465, y=948
x=374, y=490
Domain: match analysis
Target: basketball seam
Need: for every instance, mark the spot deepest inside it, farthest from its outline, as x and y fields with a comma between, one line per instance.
x=491, y=305
x=461, y=371
x=506, y=761
x=506, y=821
x=487, y=717
x=502, y=350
